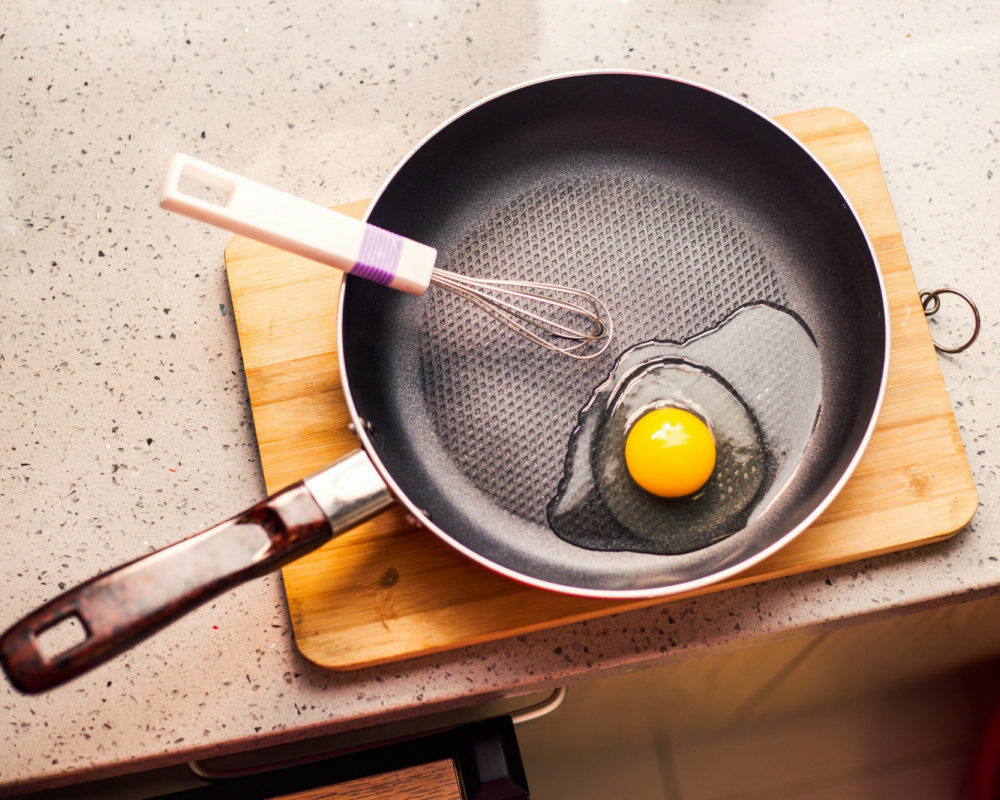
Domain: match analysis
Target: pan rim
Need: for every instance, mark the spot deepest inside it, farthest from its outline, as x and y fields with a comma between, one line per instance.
x=670, y=589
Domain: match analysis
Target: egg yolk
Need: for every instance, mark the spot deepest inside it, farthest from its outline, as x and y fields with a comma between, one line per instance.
x=670, y=452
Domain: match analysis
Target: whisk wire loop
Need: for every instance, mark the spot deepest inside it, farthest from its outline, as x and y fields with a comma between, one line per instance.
x=583, y=332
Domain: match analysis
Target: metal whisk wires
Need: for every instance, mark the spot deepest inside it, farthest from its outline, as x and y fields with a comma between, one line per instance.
x=559, y=318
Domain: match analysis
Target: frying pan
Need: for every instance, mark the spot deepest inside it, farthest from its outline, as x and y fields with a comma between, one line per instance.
x=675, y=204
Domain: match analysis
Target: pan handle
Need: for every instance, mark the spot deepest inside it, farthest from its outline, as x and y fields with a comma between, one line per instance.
x=125, y=605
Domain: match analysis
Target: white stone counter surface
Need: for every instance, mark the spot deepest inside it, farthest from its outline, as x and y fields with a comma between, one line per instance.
x=124, y=419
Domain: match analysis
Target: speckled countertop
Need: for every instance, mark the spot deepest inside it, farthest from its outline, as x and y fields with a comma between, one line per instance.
x=124, y=421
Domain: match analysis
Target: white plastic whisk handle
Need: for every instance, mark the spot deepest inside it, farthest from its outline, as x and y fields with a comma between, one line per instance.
x=298, y=226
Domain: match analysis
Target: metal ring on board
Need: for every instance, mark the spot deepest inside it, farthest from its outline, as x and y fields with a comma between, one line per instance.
x=931, y=301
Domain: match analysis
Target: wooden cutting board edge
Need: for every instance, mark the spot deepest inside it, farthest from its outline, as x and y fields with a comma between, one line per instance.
x=940, y=494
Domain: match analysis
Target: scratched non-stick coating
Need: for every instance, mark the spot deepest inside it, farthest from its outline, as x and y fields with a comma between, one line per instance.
x=676, y=206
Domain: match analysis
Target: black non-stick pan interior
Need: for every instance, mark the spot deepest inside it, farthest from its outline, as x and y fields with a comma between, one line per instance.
x=674, y=204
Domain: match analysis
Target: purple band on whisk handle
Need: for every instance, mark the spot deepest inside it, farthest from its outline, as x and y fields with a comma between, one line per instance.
x=378, y=259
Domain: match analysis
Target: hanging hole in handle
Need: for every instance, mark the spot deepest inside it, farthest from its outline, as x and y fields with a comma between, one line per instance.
x=205, y=186
x=931, y=302
x=61, y=636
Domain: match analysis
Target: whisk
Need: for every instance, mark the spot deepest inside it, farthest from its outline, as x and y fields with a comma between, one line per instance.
x=566, y=320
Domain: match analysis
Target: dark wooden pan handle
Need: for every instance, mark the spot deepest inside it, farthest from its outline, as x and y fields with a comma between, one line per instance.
x=119, y=608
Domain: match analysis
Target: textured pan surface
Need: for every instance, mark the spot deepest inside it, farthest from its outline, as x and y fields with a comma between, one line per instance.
x=674, y=204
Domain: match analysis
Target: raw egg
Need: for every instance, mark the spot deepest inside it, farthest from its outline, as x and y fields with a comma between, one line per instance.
x=670, y=452
x=746, y=394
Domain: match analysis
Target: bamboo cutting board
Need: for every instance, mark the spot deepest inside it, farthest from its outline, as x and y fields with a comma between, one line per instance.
x=388, y=591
